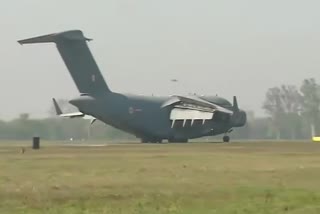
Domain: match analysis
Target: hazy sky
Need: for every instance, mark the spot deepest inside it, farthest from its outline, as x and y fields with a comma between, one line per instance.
x=225, y=47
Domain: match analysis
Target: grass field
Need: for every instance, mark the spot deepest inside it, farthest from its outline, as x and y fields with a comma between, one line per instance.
x=169, y=178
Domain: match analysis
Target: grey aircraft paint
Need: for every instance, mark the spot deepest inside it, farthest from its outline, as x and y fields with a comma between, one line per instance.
x=146, y=117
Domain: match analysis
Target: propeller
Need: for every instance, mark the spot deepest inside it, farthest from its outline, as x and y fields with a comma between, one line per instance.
x=239, y=117
x=235, y=104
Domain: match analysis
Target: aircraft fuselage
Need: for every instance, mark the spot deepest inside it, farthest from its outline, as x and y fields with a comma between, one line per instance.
x=144, y=117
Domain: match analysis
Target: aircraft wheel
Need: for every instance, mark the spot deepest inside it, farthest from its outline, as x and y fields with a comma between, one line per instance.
x=151, y=141
x=178, y=140
x=144, y=141
x=226, y=139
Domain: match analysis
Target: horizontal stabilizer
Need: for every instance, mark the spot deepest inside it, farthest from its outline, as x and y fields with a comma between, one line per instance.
x=60, y=114
x=68, y=35
x=72, y=115
x=56, y=107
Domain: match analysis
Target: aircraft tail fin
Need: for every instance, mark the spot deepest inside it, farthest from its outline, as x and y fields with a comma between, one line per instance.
x=77, y=57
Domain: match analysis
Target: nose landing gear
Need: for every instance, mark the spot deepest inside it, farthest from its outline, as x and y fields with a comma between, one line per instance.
x=226, y=138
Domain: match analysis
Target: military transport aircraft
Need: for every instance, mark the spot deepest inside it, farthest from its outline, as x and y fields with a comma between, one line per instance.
x=150, y=118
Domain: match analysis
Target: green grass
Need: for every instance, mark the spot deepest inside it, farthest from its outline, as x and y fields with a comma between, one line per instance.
x=170, y=178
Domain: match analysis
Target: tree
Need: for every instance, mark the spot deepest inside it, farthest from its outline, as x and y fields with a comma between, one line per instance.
x=311, y=103
x=283, y=104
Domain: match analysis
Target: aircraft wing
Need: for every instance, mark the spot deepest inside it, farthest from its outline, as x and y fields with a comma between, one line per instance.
x=192, y=108
x=201, y=102
x=195, y=103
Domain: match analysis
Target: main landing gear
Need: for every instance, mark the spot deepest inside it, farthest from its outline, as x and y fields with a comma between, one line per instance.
x=226, y=139
x=172, y=140
x=143, y=140
x=151, y=140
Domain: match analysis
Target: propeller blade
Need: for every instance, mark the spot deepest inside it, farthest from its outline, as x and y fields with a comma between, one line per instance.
x=92, y=121
x=235, y=104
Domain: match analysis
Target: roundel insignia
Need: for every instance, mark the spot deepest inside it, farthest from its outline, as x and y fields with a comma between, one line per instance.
x=93, y=78
x=131, y=110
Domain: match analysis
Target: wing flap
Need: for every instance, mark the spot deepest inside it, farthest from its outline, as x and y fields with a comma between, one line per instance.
x=188, y=114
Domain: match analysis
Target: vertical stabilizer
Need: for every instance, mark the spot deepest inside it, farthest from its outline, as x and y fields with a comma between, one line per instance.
x=73, y=48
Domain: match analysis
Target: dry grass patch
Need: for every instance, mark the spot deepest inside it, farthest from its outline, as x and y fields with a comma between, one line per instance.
x=171, y=178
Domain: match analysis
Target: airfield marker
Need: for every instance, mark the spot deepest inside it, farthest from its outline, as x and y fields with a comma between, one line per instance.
x=316, y=139
x=36, y=143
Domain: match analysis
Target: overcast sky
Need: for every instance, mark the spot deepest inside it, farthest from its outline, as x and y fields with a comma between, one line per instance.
x=224, y=47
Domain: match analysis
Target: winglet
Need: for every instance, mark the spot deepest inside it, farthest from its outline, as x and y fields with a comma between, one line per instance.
x=57, y=107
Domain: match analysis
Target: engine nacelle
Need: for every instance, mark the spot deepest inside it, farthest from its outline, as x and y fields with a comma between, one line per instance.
x=239, y=119
x=221, y=117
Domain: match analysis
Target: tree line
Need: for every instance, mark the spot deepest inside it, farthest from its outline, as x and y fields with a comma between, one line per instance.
x=292, y=113
x=52, y=128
